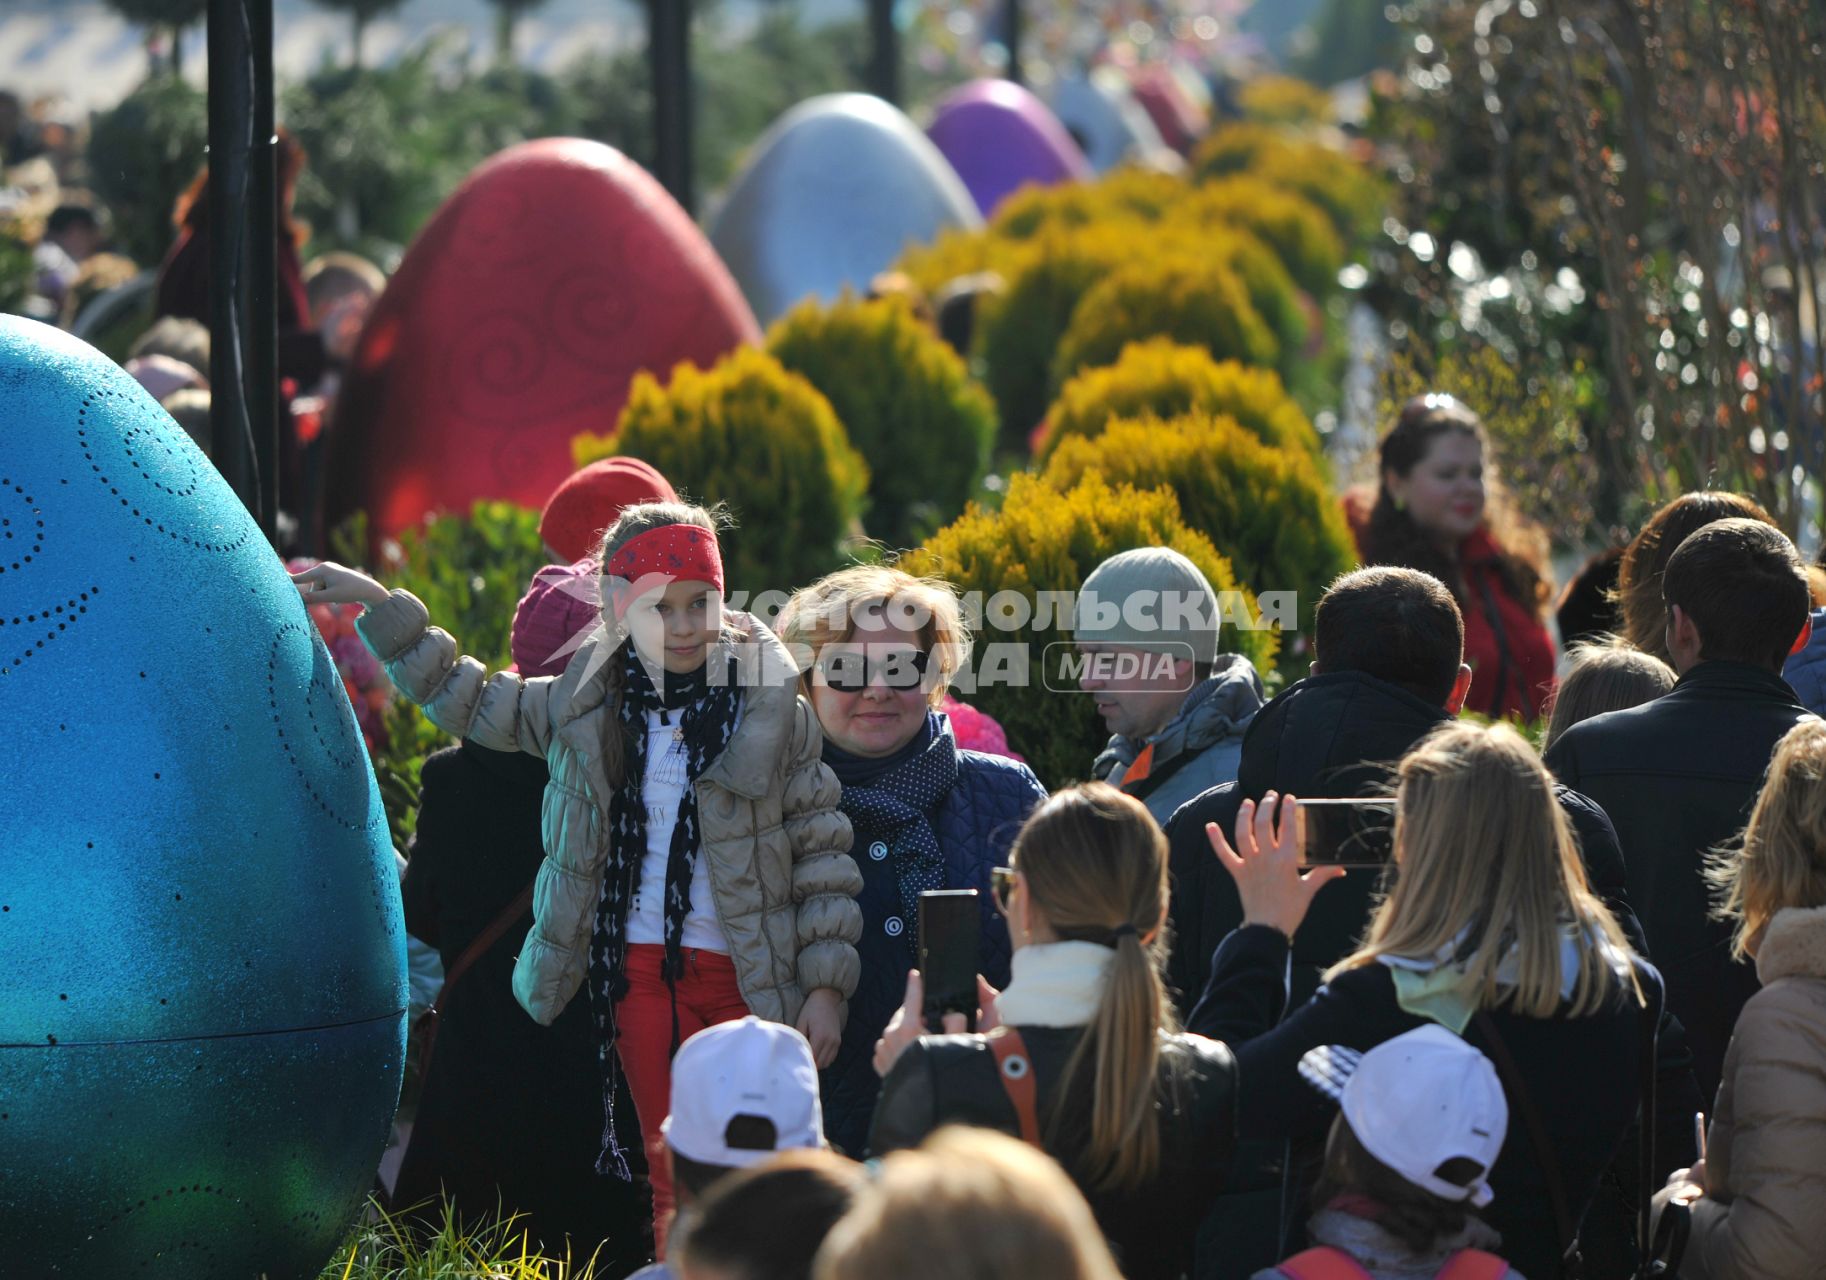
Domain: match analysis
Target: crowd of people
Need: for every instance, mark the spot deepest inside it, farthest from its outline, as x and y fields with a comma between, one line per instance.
x=694, y=848
x=1570, y=1019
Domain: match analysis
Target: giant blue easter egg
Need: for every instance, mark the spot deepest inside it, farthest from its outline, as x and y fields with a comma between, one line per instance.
x=834, y=193
x=1101, y=113
x=202, y=958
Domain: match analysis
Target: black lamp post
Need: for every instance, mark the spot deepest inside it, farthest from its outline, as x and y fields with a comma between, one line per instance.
x=669, y=62
x=243, y=248
x=884, y=51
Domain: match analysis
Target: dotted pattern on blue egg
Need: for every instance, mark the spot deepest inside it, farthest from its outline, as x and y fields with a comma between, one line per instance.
x=325, y=713
x=150, y=457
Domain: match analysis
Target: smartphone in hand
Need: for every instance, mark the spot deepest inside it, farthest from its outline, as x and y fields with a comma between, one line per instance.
x=949, y=925
x=1353, y=834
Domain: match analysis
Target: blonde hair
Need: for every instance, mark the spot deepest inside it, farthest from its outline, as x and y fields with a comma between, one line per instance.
x=1780, y=859
x=828, y=611
x=1095, y=863
x=1486, y=855
x=1605, y=675
x=967, y=1204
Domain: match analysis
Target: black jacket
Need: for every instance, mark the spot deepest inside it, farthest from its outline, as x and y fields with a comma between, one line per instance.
x=1332, y=735
x=954, y=1080
x=1678, y=777
x=975, y=822
x=1581, y=1073
x=511, y=1111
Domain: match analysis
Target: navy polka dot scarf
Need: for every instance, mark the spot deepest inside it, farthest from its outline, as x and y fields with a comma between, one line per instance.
x=892, y=799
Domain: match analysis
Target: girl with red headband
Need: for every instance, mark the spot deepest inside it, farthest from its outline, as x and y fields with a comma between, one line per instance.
x=697, y=866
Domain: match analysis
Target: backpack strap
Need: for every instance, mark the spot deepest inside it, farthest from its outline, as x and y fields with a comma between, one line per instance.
x=1322, y=1263
x=1473, y=1264
x=1015, y=1070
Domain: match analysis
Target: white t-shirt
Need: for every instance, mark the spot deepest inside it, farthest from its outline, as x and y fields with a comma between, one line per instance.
x=662, y=788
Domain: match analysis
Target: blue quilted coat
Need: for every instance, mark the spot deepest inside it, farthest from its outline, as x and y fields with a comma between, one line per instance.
x=975, y=823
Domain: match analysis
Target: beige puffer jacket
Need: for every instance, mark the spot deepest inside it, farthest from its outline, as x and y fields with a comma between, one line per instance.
x=777, y=847
x=1764, y=1211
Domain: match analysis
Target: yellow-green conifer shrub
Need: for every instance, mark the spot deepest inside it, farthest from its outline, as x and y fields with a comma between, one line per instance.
x=1045, y=540
x=1349, y=193
x=1268, y=510
x=1196, y=302
x=1126, y=193
x=748, y=433
x=1020, y=334
x=1285, y=100
x=1298, y=230
x=1164, y=379
x=959, y=253
x=906, y=401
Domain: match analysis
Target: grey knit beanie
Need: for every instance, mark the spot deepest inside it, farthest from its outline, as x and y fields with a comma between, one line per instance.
x=1151, y=598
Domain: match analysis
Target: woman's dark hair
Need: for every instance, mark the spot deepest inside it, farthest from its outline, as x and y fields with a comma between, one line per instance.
x=1392, y=537
x=1413, y=1215
x=1640, y=605
x=769, y=1221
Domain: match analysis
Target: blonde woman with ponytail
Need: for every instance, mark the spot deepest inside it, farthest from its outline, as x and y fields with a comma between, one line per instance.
x=1139, y=1114
x=1488, y=929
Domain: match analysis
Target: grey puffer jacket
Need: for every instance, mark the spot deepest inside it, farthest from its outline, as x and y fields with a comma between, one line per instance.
x=776, y=845
x=1200, y=748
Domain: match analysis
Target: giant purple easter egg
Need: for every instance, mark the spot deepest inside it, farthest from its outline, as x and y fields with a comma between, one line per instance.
x=202, y=957
x=999, y=137
x=834, y=192
x=518, y=319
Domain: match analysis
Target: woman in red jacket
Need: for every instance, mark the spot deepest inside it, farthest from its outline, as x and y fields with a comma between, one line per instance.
x=1438, y=509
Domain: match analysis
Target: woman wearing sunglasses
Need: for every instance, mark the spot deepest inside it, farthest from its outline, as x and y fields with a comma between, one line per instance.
x=1081, y=1054
x=879, y=647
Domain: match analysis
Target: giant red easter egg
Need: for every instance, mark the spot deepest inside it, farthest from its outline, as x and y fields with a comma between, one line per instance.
x=518, y=319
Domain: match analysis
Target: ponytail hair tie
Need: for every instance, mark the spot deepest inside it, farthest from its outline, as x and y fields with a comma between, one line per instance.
x=1120, y=932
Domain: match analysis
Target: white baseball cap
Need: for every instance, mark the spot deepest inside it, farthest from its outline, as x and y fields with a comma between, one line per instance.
x=742, y=1091
x=1420, y=1103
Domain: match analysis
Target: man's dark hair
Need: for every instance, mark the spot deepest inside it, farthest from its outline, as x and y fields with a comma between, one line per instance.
x=1398, y=625
x=768, y=1222
x=1743, y=585
x=695, y=1176
x=67, y=216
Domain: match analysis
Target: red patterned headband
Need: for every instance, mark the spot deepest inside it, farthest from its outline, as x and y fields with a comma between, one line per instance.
x=680, y=552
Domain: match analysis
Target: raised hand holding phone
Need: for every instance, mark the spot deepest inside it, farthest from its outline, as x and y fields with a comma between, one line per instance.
x=1266, y=863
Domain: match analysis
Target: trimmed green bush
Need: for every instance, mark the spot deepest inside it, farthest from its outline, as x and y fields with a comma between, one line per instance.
x=1164, y=379
x=907, y=402
x=1127, y=193
x=1285, y=100
x=143, y=153
x=1020, y=334
x=1298, y=230
x=1348, y=193
x=960, y=253
x=1199, y=303
x=1269, y=510
x=1045, y=540
x=748, y=433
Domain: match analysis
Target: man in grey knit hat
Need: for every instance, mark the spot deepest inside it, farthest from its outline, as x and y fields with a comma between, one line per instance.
x=1145, y=624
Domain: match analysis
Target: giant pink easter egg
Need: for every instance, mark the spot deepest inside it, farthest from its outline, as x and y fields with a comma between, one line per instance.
x=999, y=137
x=1175, y=115
x=518, y=319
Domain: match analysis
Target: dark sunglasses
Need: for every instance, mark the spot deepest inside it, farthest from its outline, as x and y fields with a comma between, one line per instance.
x=853, y=670
x=1001, y=884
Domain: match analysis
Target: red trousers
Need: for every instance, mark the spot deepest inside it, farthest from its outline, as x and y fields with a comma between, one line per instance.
x=707, y=994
